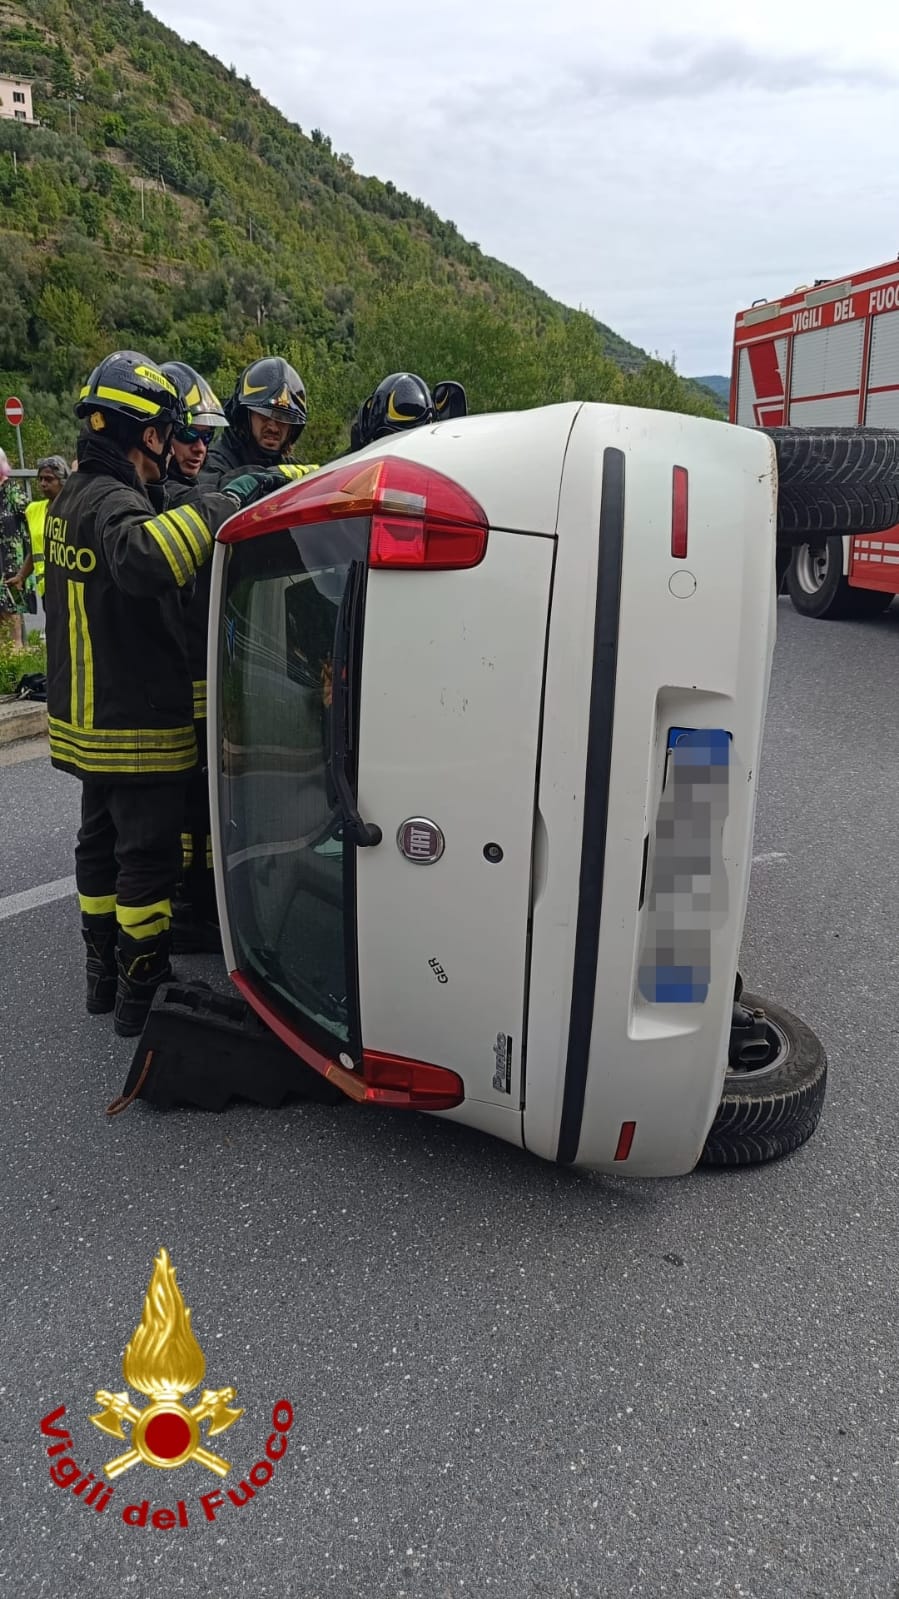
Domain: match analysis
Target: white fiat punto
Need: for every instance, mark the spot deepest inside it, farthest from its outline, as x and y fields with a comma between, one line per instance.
x=486, y=710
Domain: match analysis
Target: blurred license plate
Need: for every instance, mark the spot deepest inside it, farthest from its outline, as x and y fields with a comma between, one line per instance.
x=687, y=897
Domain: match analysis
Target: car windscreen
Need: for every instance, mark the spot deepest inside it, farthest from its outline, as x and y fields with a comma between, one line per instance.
x=289, y=873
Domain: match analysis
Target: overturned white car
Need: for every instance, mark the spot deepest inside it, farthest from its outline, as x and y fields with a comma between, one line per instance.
x=486, y=715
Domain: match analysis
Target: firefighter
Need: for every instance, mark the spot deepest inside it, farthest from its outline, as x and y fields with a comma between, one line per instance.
x=194, y=918
x=403, y=400
x=195, y=924
x=266, y=415
x=118, y=682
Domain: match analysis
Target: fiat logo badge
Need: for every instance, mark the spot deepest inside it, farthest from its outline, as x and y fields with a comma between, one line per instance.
x=420, y=841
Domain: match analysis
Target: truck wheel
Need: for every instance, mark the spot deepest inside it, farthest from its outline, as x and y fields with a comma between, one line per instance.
x=817, y=587
x=772, y=1106
x=835, y=480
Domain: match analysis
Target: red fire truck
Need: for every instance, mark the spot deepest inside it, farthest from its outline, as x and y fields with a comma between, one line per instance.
x=827, y=356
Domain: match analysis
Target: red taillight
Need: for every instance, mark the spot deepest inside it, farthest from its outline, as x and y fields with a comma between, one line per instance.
x=625, y=1139
x=419, y=518
x=679, y=509
x=383, y=1080
x=394, y=1080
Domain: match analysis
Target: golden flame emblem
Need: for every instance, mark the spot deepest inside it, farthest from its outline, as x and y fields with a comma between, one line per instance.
x=164, y=1361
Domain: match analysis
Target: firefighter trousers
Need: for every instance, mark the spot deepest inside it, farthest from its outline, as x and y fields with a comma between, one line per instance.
x=128, y=853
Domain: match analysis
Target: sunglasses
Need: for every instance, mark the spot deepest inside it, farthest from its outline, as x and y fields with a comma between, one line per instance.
x=188, y=435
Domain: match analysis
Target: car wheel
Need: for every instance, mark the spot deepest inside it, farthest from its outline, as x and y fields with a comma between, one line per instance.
x=817, y=587
x=773, y=1104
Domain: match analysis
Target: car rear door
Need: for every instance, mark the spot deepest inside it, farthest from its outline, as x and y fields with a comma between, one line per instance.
x=450, y=737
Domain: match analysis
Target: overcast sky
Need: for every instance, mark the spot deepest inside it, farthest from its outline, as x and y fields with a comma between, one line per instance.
x=660, y=165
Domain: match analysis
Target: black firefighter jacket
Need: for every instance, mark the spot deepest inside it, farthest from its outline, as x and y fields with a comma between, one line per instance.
x=180, y=491
x=119, y=570
x=233, y=453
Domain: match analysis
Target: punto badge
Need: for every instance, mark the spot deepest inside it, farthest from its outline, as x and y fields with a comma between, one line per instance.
x=421, y=841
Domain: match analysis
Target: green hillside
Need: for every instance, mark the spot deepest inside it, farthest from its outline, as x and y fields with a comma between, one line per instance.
x=719, y=385
x=162, y=203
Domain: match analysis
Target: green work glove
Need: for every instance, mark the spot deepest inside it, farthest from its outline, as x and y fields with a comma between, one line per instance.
x=252, y=486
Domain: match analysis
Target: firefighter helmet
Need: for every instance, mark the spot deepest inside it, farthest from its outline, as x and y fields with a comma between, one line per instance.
x=201, y=404
x=129, y=385
x=400, y=401
x=274, y=388
x=449, y=400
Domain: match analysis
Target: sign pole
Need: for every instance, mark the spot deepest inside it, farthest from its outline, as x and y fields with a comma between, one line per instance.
x=19, y=442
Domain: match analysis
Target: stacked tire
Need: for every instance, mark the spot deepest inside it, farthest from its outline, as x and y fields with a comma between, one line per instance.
x=832, y=482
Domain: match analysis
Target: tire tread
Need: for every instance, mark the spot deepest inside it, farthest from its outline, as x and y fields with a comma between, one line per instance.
x=774, y=1115
x=836, y=480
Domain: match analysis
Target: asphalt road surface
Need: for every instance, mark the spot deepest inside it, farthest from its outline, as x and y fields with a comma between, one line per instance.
x=506, y=1378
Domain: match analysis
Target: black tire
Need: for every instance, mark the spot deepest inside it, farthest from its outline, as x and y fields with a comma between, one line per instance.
x=768, y=1113
x=817, y=587
x=835, y=480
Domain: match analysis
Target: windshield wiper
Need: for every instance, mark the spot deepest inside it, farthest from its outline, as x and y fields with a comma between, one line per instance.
x=355, y=831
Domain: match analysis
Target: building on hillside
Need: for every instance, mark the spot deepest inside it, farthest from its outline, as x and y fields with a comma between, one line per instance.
x=15, y=99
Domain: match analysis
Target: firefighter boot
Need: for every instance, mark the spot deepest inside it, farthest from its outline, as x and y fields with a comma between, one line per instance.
x=99, y=934
x=143, y=963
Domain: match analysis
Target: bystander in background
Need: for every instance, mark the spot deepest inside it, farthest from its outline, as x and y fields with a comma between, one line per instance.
x=52, y=471
x=12, y=555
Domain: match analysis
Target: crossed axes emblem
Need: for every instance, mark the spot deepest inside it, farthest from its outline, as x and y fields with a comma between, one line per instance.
x=212, y=1406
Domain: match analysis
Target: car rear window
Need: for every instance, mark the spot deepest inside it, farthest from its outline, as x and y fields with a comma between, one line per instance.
x=289, y=876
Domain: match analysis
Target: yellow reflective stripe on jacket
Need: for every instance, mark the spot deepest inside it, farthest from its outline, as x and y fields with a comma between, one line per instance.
x=174, y=547
x=189, y=534
x=143, y=763
x=184, y=539
x=125, y=737
x=199, y=688
x=123, y=751
x=192, y=515
x=81, y=659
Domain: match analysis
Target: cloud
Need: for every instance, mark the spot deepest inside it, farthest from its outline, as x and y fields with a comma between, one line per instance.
x=684, y=68
x=670, y=69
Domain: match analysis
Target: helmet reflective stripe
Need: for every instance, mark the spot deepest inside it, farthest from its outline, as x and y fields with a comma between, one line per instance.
x=393, y=415
x=136, y=401
x=156, y=377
